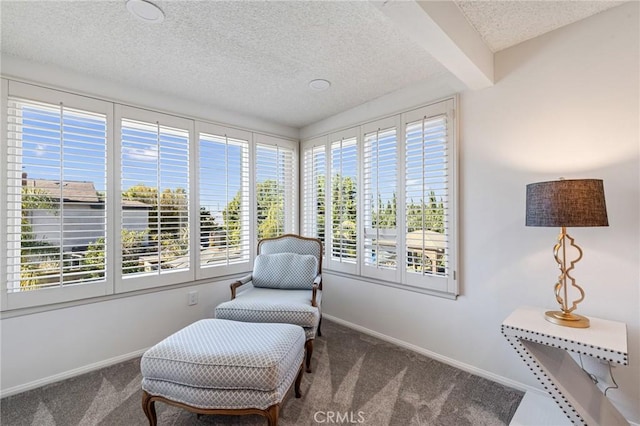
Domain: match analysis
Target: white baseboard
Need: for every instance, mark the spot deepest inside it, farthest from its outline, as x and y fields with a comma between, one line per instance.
x=537, y=393
x=455, y=363
x=71, y=373
x=450, y=361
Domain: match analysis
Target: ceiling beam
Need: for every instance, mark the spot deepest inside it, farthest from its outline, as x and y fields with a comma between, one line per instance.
x=441, y=29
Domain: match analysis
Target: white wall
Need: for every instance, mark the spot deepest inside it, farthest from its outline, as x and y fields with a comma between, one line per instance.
x=82, y=225
x=49, y=346
x=565, y=104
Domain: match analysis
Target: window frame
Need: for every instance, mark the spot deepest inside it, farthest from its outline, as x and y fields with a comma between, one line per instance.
x=151, y=280
x=372, y=271
x=341, y=136
x=308, y=210
x=291, y=212
x=446, y=286
x=448, y=283
x=222, y=131
x=114, y=283
x=45, y=296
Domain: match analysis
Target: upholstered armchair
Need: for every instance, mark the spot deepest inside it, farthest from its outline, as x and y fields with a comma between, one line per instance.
x=285, y=286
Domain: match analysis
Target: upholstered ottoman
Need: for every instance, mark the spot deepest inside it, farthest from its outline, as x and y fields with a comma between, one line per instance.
x=216, y=366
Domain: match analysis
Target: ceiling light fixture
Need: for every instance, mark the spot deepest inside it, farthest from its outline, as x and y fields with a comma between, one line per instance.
x=145, y=11
x=319, y=84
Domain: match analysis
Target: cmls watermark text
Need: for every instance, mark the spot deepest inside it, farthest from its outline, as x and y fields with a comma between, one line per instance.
x=337, y=417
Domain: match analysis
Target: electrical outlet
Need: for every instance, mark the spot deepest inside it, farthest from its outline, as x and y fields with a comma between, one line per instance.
x=192, y=298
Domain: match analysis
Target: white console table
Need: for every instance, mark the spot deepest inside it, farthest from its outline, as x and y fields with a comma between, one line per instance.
x=543, y=347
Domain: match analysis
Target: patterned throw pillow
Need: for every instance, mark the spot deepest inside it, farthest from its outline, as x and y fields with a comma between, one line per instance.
x=285, y=270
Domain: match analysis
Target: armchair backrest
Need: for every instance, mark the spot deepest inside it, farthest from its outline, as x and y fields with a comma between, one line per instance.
x=290, y=243
x=285, y=271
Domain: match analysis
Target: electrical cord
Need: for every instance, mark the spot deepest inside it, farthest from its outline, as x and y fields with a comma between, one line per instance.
x=595, y=379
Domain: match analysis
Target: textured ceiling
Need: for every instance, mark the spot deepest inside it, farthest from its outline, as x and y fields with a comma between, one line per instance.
x=502, y=24
x=257, y=58
x=252, y=57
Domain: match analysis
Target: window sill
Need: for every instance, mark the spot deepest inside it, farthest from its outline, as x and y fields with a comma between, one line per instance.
x=18, y=312
x=399, y=286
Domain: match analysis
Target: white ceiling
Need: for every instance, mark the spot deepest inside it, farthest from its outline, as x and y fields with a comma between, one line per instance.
x=257, y=58
x=503, y=24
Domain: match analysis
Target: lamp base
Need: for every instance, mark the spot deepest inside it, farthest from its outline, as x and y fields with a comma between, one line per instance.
x=567, y=320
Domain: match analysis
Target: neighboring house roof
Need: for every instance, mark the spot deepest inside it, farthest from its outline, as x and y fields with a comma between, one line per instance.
x=132, y=204
x=71, y=191
x=75, y=192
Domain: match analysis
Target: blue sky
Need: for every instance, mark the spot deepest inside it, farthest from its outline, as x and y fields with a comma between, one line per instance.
x=84, y=147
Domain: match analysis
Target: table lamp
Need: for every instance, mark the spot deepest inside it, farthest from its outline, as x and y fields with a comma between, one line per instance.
x=566, y=203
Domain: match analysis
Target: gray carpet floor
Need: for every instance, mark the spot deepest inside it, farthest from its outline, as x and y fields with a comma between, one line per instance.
x=356, y=379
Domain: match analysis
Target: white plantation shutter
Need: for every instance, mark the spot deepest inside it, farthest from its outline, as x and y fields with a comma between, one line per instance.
x=276, y=205
x=428, y=202
x=379, y=219
x=391, y=200
x=60, y=210
x=103, y=198
x=344, y=202
x=56, y=195
x=155, y=196
x=224, y=199
x=314, y=191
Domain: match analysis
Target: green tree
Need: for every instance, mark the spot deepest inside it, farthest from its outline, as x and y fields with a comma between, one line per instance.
x=143, y=193
x=384, y=216
x=231, y=216
x=208, y=227
x=168, y=221
x=426, y=215
x=36, y=255
x=344, y=214
x=94, y=259
x=168, y=217
x=133, y=245
x=171, y=206
x=270, y=197
x=270, y=209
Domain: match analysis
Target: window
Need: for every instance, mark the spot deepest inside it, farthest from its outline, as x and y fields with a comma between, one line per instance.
x=154, y=190
x=314, y=189
x=344, y=200
x=428, y=206
x=224, y=198
x=276, y=198
x=380, y=199
x=104, y=198
x=393, y=219
x=56, y=193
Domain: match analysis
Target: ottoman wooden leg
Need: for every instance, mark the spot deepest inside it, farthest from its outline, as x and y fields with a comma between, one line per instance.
x=272, y=413
x=298, y=380
x=149, y=408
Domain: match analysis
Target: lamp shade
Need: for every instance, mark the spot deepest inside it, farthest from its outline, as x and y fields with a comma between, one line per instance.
x=566, y=203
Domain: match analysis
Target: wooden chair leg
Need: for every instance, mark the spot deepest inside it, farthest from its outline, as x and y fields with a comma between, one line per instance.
x=319, y=326
x=149, y=408
x=272, y=413
x=309, y=350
